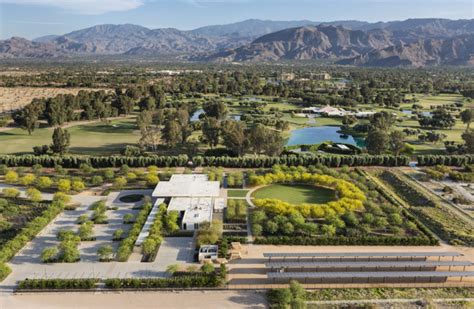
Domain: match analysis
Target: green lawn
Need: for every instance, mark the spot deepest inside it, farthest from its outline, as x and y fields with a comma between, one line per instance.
x=236, y=193
x=96, y=138
x=296, y=194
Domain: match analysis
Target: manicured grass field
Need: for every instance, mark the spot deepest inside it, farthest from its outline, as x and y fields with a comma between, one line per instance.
x=94, y=138
x=237, y=193
x=296, y=194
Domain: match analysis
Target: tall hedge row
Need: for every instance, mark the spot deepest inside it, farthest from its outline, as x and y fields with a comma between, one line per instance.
x=346, y=241
x=457, y=160
x=74, y=161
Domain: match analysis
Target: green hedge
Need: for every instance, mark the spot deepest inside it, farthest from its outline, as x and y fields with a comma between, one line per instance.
x=5, y=270
x=454, y=160
x=57, y=284
x=126, y=245
x=31, y=229
x=74, y=161
x=346, y=241
x=196, y=280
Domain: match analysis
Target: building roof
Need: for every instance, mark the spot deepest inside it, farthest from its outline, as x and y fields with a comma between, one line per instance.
x=197, y=210
x=190, y=185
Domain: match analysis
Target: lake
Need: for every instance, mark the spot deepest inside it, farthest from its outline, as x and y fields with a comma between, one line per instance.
x=317, y=135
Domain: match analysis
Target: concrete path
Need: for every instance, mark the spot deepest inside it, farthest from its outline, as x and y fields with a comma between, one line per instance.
x=174, y=250
x=128, y=300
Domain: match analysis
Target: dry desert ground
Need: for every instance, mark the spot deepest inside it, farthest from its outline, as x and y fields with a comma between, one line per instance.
x=12, y=98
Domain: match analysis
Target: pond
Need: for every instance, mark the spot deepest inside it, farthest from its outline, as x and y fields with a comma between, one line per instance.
x=196, y=114
x=317, y=135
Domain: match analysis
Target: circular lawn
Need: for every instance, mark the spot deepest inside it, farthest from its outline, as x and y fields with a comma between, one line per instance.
x=296, y=194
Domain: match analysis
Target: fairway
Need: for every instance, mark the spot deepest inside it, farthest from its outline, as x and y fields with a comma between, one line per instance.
x=296, y=194
x=94, y=138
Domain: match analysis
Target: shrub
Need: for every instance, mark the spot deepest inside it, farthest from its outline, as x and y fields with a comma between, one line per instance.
x=64, y=185
x=209, y=233
x=49, y=254
x=97, y=180
x=86, y=231
x=11, y=192
x=57, y=284
x=279, y=298
x=34, y=195
x=207, y=268
x=11, y=177
x=151, y=179
x=28, y=179
x=5, y=270
x=78, y=186
x=61, y=197
x=105, y=253
x=109, y=174
x=44, y=182
x=182, y=281
x=120, y=183
x=118, y=234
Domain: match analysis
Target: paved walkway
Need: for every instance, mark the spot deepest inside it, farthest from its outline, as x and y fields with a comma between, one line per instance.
x=129, y=300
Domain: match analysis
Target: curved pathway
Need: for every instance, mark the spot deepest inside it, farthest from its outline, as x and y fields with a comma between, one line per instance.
x=248, y=198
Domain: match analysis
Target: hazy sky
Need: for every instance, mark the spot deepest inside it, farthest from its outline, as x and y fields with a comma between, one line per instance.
x=33, y=18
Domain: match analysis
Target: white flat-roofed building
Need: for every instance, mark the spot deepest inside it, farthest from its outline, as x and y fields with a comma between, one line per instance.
x=192, y=195
x=190, y=185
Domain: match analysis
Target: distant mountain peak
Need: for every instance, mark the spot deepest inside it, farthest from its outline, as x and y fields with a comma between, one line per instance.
x=432, y=40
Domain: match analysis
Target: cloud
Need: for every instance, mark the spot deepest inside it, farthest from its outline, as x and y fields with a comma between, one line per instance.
x=88, y=7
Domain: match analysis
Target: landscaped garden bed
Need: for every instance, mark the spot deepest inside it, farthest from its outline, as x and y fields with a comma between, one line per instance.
x=357, y=214
x=405, y=190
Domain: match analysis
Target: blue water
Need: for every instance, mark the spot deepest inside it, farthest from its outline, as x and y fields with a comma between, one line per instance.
x=317, y=135
x=195, y=116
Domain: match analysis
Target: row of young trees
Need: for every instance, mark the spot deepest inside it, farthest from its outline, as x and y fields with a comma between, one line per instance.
x=75, y=161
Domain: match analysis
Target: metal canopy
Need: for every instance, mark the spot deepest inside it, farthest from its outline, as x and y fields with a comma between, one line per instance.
x=367, y=264
x=382, y=274
x=360, y=254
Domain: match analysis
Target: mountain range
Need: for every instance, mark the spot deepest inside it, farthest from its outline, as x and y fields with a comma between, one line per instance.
x=413, y=42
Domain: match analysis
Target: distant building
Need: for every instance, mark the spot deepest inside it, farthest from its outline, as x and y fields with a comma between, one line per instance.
x=330, y=111
x=327, y=110
x=320, y=76
x=286, y=77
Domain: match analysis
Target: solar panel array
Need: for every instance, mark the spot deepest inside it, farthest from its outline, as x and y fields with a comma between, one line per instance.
x=371, y=274
x=376, y=265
